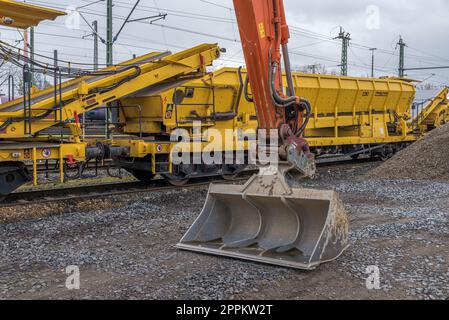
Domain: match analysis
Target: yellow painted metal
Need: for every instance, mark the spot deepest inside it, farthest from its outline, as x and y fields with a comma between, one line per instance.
x=444, y=116
x=78, y=82
x=38, y=152
x=141, y=148
x=23, y=151
x=434, y=114
x=349, y=107
x=345, y=110
x=23, y=15
x=34, y=167
x=61, y=166
x=149, y=71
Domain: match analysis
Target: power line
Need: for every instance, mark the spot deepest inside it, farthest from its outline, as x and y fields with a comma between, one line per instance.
x=426, y=68
x=433, y=55
x=296, y=29
x=202, y=17
x=191, y=15
x=217, y=5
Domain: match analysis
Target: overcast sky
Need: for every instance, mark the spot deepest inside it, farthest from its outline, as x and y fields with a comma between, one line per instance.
x=377, y=23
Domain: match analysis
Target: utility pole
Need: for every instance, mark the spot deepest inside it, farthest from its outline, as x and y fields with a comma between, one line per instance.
x=55, y=65
x=402, y=46
x=372, y=61
x=109, y=38
x=345, y=38
x=95, y=35
x=32, y=55
x=109, y=59
x=25, y=44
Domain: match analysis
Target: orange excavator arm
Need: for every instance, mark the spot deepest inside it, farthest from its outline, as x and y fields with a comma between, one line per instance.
x=265, y=34
x=269, y=220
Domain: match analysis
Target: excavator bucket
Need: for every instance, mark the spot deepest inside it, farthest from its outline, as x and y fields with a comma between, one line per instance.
x=268, y=221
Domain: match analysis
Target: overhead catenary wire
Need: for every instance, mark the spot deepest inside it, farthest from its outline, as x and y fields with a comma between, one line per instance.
x=306, y=32
x=193, y=15
x=296, y=31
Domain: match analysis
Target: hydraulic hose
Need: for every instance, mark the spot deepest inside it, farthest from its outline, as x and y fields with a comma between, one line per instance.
x=245, y=85
x=304, y=104
x=280, y=102
x=277, y=100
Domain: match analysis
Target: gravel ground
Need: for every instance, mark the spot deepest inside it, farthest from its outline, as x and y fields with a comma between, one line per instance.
x=88, y=178
x=423, y=160
x=124, y=248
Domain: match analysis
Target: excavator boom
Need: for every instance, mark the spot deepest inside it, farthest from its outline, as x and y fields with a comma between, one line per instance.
x=262, y=41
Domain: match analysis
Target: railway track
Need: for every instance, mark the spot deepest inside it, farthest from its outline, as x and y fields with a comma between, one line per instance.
x=107, y=190
x=341, y=161
x=108, y=164
x=122, y=188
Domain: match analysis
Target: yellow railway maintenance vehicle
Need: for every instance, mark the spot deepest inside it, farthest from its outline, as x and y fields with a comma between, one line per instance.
x=23, y=120
x=13, y=156
x=198, y=107
x=433, y=115
x=350, y=116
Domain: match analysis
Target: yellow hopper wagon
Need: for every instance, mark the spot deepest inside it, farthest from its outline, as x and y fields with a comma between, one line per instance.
x=350, y=116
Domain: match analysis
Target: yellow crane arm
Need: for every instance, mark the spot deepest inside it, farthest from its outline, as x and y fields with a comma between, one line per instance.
x=431, y=107
x=54, y=106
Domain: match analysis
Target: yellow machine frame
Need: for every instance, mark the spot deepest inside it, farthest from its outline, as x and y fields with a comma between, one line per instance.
x=153, y=69
x=82, y=95
x=434, y=114
x=347, y=111
x=36, y=152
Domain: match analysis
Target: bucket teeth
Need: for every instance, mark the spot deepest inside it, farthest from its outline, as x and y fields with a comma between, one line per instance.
x=300, y=229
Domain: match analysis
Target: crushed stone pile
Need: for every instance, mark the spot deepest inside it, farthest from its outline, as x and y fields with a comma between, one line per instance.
x=426, y=159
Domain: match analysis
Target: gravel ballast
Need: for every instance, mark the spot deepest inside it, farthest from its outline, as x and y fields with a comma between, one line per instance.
x=125, y=250
x=426, y=159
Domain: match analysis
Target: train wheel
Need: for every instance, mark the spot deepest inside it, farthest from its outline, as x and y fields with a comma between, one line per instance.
x=178, y=183
x=355, y=156
x=387, y=153
x=12, y=176
x=143, y=176
x=2, y=198
x=177, y=180
x=231, y=172
x=229, y=177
